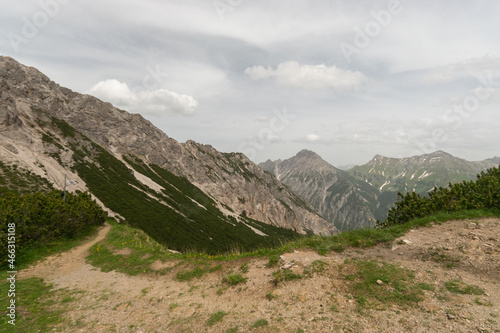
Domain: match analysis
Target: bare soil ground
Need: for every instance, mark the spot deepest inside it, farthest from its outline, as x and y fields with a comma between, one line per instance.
x=468, y=251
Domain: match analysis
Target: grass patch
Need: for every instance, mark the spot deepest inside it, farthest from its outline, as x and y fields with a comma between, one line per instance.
x=37, y=306
x=146, y=290
x=459, y=287
x=317, y=266
x=270, y=296
x=173, y=306
x=426, y=286
x=260, y=323
x=197, y=272
x=216, y=317
x=234, y=279
x=479, y=302
x=215, y=268
x=273, y=260
x=285, y=275
x=128, y=304
x=144, y=251
x=379, y=284
x=221, y=290
x=445, y=260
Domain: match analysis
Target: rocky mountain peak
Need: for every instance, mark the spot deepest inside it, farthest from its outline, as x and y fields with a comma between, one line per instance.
x=340, y=199
x=306, y=153
x=307, y=160
x=440, y=153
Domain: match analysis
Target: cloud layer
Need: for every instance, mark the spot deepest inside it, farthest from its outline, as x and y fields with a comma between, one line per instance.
x=291, y=73
x=229, y=73
x=149, y=102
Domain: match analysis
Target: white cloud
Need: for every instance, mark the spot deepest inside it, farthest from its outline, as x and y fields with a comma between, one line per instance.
x=152, y=102
x=271, y=138
x=312, y=137
x=291, y=73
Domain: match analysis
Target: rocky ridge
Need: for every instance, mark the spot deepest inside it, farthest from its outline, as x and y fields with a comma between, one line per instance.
x=29, y=101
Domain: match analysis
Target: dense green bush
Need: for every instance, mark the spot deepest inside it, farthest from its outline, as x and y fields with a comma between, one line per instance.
x=483, y=193
x=42, y=217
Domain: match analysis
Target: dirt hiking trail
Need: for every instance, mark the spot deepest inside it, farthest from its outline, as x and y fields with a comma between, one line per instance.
x=65, y=263
x=466, y=251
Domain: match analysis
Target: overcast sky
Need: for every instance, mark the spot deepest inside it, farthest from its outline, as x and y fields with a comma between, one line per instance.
x=346, y=79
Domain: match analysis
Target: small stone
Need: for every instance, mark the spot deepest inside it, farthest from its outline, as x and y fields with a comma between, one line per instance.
x=450, y=316
x=406, y=241
x=287, y=265
x=379, y=282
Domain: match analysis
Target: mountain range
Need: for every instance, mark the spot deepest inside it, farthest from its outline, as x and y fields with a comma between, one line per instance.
x=419, y=173
x=185, y=195
x=358, y=197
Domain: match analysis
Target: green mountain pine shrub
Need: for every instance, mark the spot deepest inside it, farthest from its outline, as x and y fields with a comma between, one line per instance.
x=483, y=193
x=39, y=218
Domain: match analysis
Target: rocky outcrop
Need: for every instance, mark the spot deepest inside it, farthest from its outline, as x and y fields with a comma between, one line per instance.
x=29, y=100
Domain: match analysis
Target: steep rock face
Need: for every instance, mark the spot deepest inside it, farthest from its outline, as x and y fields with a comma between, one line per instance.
x=419, y=173
x=237, y=185
x=339, y=198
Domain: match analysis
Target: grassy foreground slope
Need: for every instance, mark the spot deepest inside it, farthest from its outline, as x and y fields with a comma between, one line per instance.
x=197, y=291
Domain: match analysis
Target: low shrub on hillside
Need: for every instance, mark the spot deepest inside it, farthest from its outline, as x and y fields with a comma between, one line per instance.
x=35, y=219
x=483, y=193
